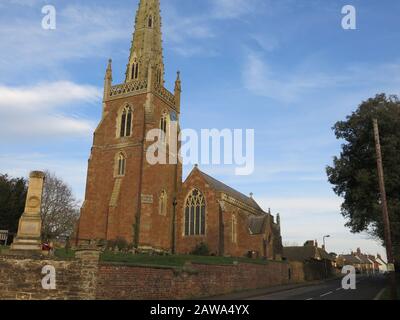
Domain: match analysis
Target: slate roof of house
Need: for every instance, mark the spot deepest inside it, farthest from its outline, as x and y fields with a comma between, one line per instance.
x=305, y=253
x=349, y=258
x=364, y=259
x=299, y=253
x=381, y=261
x=325, y=255
x=222, y=187
x=373, y=259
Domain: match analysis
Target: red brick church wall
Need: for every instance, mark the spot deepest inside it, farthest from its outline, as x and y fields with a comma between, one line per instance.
x=218, y=239
x=245, y=241
x=185, y=244
x=99, y=220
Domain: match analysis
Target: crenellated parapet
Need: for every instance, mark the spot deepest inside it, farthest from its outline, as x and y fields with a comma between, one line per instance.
x=128, y=89
x=140, y=87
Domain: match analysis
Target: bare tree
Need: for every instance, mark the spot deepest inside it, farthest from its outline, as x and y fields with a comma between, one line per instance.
x=60, y=209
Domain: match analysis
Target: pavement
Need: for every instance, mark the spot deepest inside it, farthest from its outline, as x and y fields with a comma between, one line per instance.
x=367, y=288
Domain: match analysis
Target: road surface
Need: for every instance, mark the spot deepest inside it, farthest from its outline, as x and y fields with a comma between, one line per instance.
x=367, y=289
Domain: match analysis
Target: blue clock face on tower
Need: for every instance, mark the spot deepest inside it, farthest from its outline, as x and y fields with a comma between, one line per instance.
x=173, y=116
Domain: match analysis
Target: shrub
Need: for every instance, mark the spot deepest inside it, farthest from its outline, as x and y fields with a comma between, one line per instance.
x=67, y=245
x=111, y=244
x=121, y=244
x=201, y=249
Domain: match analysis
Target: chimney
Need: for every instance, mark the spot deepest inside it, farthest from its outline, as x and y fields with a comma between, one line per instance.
x=358, y=251
x=309, y=243
x=323, y=247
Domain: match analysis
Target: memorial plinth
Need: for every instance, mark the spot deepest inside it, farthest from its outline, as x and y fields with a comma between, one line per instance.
x=28, y=239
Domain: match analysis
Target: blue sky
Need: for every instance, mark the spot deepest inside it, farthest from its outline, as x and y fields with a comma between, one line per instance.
x=285, y=68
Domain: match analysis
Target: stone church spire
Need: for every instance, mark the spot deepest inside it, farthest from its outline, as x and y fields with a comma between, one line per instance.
x=146, y=49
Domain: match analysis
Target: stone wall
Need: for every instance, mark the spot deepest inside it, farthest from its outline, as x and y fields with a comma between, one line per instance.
x=297, y=272
x=21, y=278
x=318, y=270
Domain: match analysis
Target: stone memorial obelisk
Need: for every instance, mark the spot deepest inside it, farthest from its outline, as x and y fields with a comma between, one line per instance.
x=28, y=239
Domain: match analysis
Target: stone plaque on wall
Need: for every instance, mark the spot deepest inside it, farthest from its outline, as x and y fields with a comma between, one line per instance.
x=147, y=199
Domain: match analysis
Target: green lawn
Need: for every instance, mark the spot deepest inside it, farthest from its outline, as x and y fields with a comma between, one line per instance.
x=4, y=248
x=159, y=261
x=64, y=254
x=172, y=261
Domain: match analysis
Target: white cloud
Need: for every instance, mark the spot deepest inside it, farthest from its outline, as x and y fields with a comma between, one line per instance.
x=266, y=42
x=72, y=168
x=293, y=206
x=260, y=79
x=227, y=9
x=46, y=96
x=28, y=3
x=38, y=110
x=186, y=35
x=82, y=32
x=310, y=218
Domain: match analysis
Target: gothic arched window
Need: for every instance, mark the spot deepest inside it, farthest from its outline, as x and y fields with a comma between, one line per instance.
x=135, y=70
x=150, y=22
x=195, y=214
x=164, y=125
x=158, y=76
x=163, y=202
x=121, y=164
x=126, y=122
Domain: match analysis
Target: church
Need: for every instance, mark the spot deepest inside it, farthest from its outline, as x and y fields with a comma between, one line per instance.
x=149, y=205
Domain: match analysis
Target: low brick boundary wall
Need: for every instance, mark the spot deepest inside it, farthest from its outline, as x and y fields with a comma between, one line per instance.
x=84, y=278
x=195, y=281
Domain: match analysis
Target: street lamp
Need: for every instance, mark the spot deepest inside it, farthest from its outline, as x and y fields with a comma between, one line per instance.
x=327, y=236
x=324, y=248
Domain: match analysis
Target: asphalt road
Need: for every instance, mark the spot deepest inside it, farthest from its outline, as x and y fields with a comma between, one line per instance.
x=367, y=289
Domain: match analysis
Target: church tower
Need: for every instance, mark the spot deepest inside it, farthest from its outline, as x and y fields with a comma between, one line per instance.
x=126, y=196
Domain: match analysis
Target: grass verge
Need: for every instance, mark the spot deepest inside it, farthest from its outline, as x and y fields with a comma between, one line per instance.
x=159, y=260
x=173, y=260
x=4, y=248
x=64, y=254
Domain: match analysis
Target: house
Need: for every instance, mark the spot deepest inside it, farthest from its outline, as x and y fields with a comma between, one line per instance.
x=382, y=264
x=363, y=263
x=366, y=264
x=317, y=261
x=349, y=260
x=375, y=264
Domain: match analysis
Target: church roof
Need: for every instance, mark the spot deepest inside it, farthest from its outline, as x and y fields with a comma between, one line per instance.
x=257, y=224
x=219, y=186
